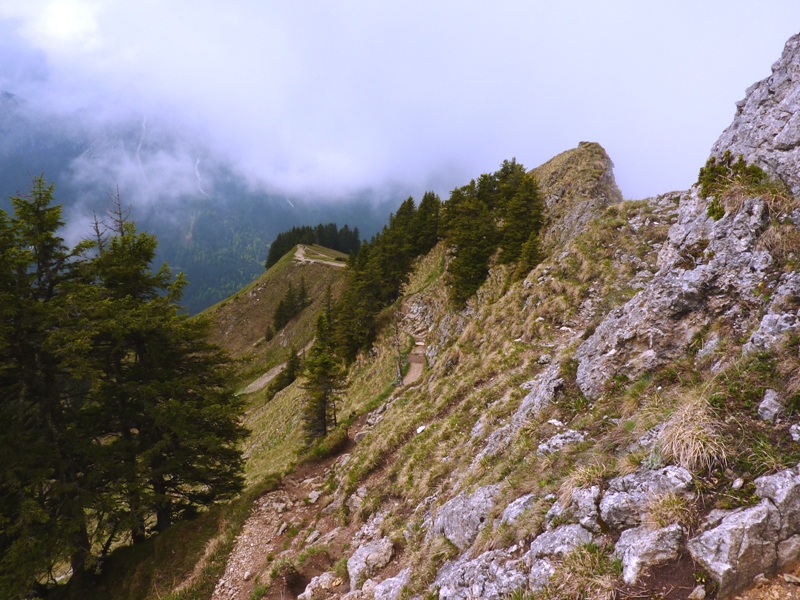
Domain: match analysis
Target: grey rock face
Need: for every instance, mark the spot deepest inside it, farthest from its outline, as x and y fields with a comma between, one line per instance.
x=557, y=542
x=389, y=589
x=542, y=390
x=783, y=489
x=371, y=530
x=641, y=547
x=705, y=269
x=514, y=510
x=788, y=551
x=319, y=585
x=627, y=497
x=541, y=572
x=583, y=508
x=766, y=128
x=771, y=406
x=740, y=547
x=368, y=559
x=460, y=519
x=558, y=441
x=794, y=431
x=777, y=321
x=492, y=575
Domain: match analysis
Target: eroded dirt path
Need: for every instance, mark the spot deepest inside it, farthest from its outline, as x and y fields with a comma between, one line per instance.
x=280, y=523
x=300, y=256
x=416, y=359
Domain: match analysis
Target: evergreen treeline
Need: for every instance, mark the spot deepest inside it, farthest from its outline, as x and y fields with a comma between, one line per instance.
x=344, y=240
x=293, y=301
x=117, y=415
x=500, y=211
x=375, y=277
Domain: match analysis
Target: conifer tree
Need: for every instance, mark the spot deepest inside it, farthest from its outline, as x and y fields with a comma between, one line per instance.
x=119, y=411
x=521, y=216
x=472, y=233
x=426, y=224
x=324, y=377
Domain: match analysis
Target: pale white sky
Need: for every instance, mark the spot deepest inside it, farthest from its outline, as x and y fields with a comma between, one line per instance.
x=327, y=97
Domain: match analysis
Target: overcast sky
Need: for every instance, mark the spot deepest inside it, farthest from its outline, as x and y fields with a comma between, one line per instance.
x=332, y=96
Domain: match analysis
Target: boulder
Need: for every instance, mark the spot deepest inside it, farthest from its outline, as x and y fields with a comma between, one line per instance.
x=542, y=570
x=389, y=589
x=492, y=575
x=559, y=541
x=367, y=559
x=642, y=547
x=783, y=490
x=583, y=508
x=461, y=518
x=555, y=543
x=558, y=441
x=789, y=551
x=740, y=547
x=771, y=407
x=627, y=497
x=515, y=510
x=319, y=585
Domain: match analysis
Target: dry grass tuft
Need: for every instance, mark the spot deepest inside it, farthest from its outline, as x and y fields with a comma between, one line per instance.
x=691, y=437
x=582, y=476
x=667, y=509
x=588, y=572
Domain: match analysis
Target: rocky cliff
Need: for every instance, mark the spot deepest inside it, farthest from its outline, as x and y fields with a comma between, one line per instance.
x=766, y=128
x=623, y=423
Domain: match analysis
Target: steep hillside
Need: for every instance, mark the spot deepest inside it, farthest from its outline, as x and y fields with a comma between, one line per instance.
x=570, y=433
x=620, y=423
x=240, y=323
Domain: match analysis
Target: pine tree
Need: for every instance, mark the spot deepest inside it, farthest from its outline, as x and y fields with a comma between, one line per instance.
x=287, y=376
x=426, y=225
x=470, y=231
x=119, y=411
x=324, y=377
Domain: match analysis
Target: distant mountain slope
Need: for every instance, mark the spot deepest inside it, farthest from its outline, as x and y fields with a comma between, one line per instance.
x=211, y=224
x=240, y=322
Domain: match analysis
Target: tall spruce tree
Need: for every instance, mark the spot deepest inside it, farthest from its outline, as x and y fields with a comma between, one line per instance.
x=521, y=217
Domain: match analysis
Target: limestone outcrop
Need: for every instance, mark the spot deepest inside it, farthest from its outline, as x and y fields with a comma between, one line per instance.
x=766, y=127
x=706, y=270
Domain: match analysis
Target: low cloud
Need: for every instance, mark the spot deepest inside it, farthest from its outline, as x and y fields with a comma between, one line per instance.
x=324, y=100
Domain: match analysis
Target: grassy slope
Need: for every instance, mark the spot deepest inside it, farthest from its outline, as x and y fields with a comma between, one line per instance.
x=474, y=379
x=240, y=322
